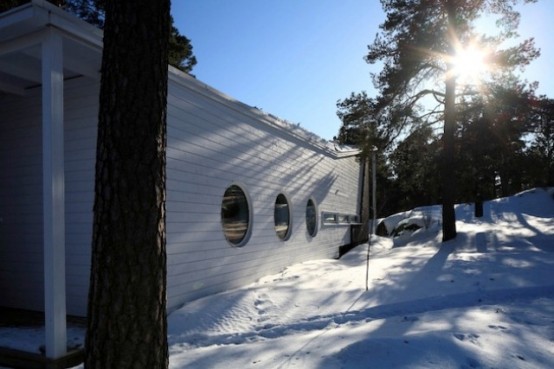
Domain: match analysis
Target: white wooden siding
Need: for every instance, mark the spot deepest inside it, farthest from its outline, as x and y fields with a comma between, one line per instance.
x=21, y=256
x=21, y=249
x=214, y=142
x=81, y=116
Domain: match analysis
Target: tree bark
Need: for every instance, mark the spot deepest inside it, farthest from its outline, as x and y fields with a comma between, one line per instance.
x=127, y=325
x=448, y=162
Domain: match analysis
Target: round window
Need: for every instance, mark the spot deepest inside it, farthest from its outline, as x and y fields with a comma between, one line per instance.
x=282, y=217
x=235, y=215
x=311, y=218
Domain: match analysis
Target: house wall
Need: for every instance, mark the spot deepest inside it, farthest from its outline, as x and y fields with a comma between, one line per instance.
x=213, y=142
x=21, y=256
x=80, y=114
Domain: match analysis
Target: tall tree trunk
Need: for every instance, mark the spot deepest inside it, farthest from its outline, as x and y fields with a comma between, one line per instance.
x=127, y=325
x=448, y=161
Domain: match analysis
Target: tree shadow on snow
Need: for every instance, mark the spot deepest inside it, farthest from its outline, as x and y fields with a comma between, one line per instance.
x=421, y=352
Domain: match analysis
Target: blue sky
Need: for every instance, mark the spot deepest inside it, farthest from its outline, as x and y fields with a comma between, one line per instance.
x=296, y=58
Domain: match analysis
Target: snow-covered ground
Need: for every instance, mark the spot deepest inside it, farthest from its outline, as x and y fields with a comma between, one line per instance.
x=483, y=300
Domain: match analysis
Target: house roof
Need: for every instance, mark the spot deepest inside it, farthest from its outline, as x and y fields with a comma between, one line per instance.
x=22, y=30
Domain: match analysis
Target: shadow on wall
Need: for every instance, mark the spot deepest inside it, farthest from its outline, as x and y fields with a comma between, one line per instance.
x=212, y=149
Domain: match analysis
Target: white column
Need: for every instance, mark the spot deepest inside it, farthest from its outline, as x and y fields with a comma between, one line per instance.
x=53, y=196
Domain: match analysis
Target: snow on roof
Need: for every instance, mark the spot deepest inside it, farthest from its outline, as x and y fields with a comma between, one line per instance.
x=293, y=130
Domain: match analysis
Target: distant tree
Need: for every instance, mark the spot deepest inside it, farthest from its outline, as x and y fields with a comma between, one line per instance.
x=508, y=115
x=181, y=55
x=368, y=122
x=180, y=51
x=541, y=152
x=415, y=164
x=127, y=323
x=91, y=11
x=369, y=126
x=490, y=142
x=9, y=4
x=418, y=44
x=476, y=150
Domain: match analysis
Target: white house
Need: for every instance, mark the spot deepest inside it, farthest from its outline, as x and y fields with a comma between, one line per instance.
x=247, y=194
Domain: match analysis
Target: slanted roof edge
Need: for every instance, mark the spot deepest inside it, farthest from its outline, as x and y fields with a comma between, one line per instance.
x=290, y=129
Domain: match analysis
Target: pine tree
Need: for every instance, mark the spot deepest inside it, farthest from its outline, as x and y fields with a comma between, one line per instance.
x=542, y=145
x=181, y=55
x=418, y=44
x=127, y=323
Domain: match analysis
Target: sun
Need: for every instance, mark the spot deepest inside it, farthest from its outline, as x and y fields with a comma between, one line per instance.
x=470, y=64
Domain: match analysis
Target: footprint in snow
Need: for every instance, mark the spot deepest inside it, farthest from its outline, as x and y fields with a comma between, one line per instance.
x=497, y=327
x=263, y=305
x=471, y=337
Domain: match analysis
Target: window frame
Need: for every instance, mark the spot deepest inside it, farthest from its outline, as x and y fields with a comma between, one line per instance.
x=246, y=237
x=316, y=217
x=331, y=218
x=289, y=211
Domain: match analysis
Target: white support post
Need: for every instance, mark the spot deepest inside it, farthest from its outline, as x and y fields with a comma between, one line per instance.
x=53, y=196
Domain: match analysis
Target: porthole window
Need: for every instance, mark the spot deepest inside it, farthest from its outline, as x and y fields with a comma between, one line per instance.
x=235, y=215
x=282, y=217
x=311, y=218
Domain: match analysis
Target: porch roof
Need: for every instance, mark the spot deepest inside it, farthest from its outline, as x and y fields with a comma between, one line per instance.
x=22, y=31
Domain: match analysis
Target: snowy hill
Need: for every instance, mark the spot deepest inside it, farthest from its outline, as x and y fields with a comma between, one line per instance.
x=483, y=300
